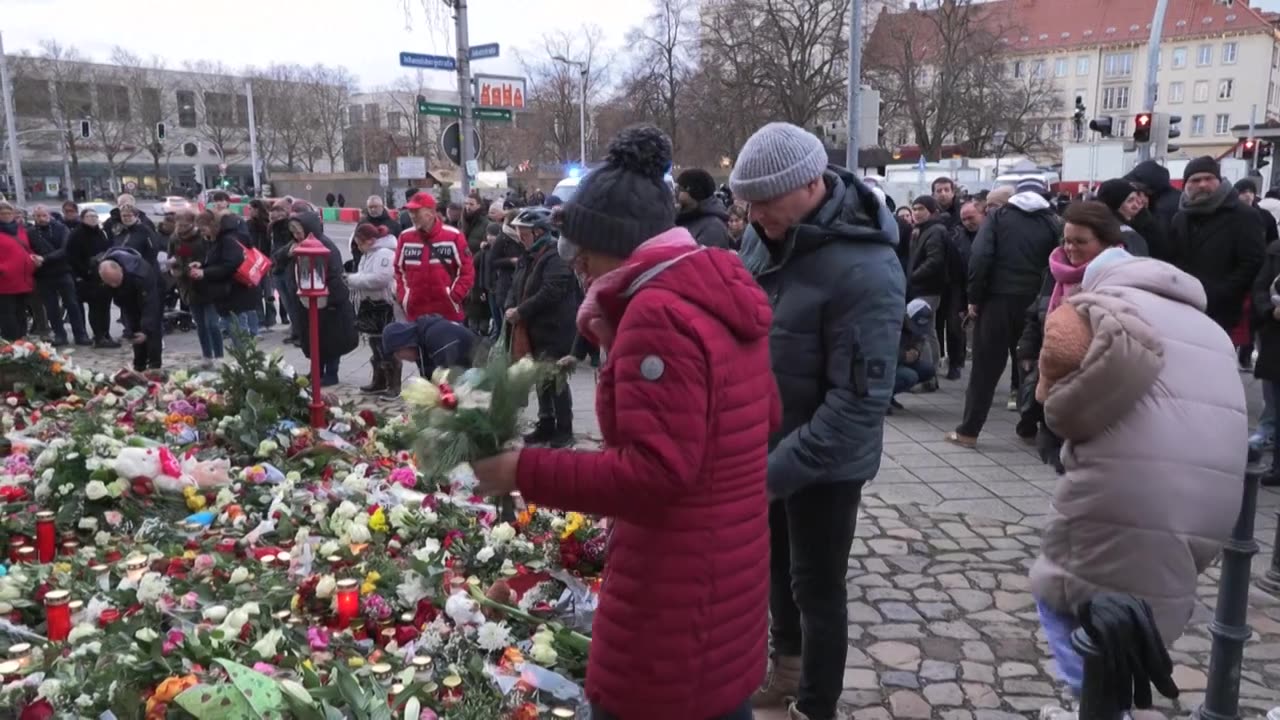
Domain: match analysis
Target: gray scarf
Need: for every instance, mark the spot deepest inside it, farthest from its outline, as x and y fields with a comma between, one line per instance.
x=1207, y=205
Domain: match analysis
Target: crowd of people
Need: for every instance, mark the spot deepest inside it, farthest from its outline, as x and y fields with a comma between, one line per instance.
x=755, y=337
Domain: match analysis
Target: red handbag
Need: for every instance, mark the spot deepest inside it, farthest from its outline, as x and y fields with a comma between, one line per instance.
x=256, y=265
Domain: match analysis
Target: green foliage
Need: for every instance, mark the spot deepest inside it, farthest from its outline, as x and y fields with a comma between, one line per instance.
x=259, y=392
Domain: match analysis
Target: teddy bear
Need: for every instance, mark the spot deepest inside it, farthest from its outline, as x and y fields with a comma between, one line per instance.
x=159, y=469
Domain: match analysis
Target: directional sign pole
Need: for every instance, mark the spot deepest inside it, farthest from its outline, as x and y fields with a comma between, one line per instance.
x=464, y=93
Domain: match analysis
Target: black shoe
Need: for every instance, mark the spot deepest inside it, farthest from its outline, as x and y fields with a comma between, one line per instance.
x=1255, y=454
x=953, y=373
x=562, y=439
x=105, y=343
x=893, y=403
x=328, y=380
x=84, y=342
x=61, y=342
x=541, y=435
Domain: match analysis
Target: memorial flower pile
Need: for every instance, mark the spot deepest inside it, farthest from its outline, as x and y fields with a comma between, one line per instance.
x=187, y=549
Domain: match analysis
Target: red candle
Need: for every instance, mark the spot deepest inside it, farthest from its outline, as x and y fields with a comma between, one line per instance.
x=26, y=554
x=46, y=535
x=108, y=616
x=16, y=543
x=57, y=607
x=348, y=594
x=69, y=547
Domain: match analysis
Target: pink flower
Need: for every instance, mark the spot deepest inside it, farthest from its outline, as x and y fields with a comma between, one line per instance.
x=317, y=638
x=264, y=668
x=404, y=476
x=172, y=641
x=204, y=563
x=190, y=601
x=113, y=518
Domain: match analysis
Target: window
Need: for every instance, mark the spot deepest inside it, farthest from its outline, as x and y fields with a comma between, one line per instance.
x=1271, y=93
x=1115, y=98
x=1201, y=91
x=1275, y=56
x=1176, y=90
x=76, y=99
x=1155, y=96
x=31, y=97
x=1060, y=67
x=1082, y=65
x=1229, y=51
x=186, y=108
x=1055, y=130
x=1222, y=124
x=113, y=103
x=1197, y=125
x=219, y=109
x=1037, y=69
x=1204, y=55
x=355, y=115
x=151, y=112
x=394, y=120
x=1117, y=65
x=372, y=115
x=1017, y=68
x=1122, y=128
x=1179, y=57
x=1226, y=88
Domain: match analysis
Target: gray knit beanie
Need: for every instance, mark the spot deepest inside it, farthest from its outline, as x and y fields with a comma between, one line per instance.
x=778, y=158
x=619, y=206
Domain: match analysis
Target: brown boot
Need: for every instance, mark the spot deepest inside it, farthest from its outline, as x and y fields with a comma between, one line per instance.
x=392, y=372
x=781, y=685
x=379, y=381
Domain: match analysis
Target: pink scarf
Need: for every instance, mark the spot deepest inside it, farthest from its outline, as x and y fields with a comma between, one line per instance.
x=1067, y=277
x=593, y=322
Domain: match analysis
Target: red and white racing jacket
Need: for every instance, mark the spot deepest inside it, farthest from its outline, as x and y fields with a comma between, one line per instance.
x=434, y=272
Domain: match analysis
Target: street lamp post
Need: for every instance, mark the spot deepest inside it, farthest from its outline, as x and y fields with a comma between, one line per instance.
x=582, y=103
x=999, y=136
x=311, y=265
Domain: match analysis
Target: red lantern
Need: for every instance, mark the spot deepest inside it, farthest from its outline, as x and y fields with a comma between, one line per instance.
x=57, y=606
x=348, y=602
x=46, y=535
x=311, y=266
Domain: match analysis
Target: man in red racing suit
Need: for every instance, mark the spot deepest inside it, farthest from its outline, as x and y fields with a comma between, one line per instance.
x=434, y=271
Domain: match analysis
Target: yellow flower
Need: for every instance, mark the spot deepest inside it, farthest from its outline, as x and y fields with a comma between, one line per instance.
x=370, y=584
x=63, y=567
x=189, y=491
x=420, y=393
x=355, y=662
x=293, y=602
x=573, y=523
x=307, y=664
x=378, y=521
x=196, y=503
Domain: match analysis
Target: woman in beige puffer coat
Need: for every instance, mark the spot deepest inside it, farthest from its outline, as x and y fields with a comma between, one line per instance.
x=1152, y=410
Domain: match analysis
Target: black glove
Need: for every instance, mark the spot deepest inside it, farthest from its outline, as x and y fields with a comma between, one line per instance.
x=1131, y=654
x=1049, y=447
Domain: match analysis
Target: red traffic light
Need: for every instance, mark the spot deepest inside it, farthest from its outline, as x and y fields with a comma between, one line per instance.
x=1248, y=144
x=1143, y=120
x=1142, y=128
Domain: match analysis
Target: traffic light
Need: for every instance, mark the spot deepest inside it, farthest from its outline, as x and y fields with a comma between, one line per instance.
x=1104, y=125
x=1164, y=127
x=1142, y=128
x=1247, y=148
x=1264, y=153
x=422, y=104
x=86, y=130
x=160, y=131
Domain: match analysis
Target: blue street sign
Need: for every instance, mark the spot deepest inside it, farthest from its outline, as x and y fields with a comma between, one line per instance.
x=428, y=62
x=480, y=52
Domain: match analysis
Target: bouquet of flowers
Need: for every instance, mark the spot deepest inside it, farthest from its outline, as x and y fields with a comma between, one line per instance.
x=39, y=369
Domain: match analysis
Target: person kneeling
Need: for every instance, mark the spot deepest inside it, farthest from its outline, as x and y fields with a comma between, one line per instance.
x=430, y=341
x=915, y=363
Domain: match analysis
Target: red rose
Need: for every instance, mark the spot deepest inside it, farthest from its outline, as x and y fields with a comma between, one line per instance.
x=425, y=613
x=38, y=710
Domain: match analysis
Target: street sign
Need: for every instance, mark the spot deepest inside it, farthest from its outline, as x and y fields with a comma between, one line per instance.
x=308, y=187
x=384, y=174
x=480, y=52
x=451, y=143
x=441, y=109
x=428, y=62
x=501, y=91
x=410, y=167
x=131, y=186
x=491, y=114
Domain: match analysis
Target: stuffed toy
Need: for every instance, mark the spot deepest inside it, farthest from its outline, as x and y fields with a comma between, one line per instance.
x=157, y=468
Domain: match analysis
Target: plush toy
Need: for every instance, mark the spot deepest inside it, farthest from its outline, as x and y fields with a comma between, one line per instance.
x=158, y=468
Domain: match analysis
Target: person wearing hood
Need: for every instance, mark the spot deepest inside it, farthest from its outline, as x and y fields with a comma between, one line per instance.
x=1152, y=179
x=1216, y=239
x=431, y=342
x=914, y=364
x=1006, y=271
x=337, y=319
x=282, y=268
x=17, y=272
x=685, y=402
x=821, y=244
x=1131, y=369
x=53, y=277
x=699, y=211
x=135, y=286
x=1128, y=204
x=85, y=243
x=373, y=290
x=434, y=269
x=259, y=227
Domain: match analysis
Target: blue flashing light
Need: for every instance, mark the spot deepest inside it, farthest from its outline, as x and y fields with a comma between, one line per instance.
x=575, y=171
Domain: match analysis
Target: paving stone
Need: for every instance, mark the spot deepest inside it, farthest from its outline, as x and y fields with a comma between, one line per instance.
x=1017, y=670
x=977, y=672
x=1012, y=602
x=1010, y=582
x=911, y=581
x=905, y=533
x=960, y=490
x=1029, y=704
x=981, y=696
x=909, y=563
x=956, y=715
x=860, y=698
x=900, y=679
x=957, y=630
x=861, y=679
x=897, y=655
x=996, y=616
x=997, y=715
x=947, y=693
x=1016, y=649
x=937, y=670
x=899, y=612
x=974, y=543
x=954, y=581
x=1004, y=555
x=871, y=580
x=945, y=544
x=1006, y=632
x=908, y=704
x=939, y=648
x=938, y=611
x=931, y=595
x=978, y=651
x=875, y=565
x=860, y=612
x=956, y=529
x=1005, y=543
x=1189, y=678
x=872, y=713
x=887, y=593
x=1028, y=687
x=984, y=580
x=971, y=600
x=897, y=631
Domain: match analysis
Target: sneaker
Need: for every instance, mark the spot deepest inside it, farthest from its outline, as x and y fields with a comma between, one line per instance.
x=780, y=685
x=541, y=435
x=1013, y=402
x=328, y=381
x=953, y=373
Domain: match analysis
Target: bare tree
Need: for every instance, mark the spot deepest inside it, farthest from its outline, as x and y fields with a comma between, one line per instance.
x=1017, y=107
x=224, y=122
x=114, y=126
x=498, y=144
x=791, y=53
x=663, y=46
x=552, y=126
x=144, y=81
x=55, y=90
x=410, y=132
x=328, y=93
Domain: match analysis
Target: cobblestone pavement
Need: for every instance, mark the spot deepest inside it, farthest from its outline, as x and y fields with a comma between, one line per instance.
x=941, y=621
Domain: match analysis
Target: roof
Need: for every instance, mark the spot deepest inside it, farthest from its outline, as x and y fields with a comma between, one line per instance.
x=1057, y=25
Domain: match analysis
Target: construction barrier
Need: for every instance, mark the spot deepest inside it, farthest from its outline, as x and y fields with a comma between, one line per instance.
x=349, y=215
x=329, y=214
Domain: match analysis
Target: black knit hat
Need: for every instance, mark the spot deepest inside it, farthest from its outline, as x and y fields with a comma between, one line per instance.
x=698, y=183
x=1114, y=192
x=1246, y=185
x=928, y=203
x=1202, y=164
x=627, y=201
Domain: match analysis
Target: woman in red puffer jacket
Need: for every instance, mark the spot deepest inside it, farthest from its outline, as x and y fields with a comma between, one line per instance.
x=17, y=273
x=686, y=401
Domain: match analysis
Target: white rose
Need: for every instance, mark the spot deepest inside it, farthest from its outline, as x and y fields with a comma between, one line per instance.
x=146, y=635
x=80, y=632
x=346, y=509
x=215, y=613
x=502, y=534
x=485, y=555
x=544, y=655
x=429, y=517
x=324, y=588
x=102, y=538
x=95, y=490
x=51, y=689
x=89, y=524
x=359, y=533
x=266, y=647
x=327, y=548
x=400, y=516
x=239, y=575
x=429, y=548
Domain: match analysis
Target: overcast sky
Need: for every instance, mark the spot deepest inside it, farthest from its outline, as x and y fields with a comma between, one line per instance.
x=366, y=36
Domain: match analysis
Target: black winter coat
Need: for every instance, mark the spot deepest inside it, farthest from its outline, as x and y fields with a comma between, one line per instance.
x=708, y=223
x=1012, y=249
x=1267, y=366
x=140, y=238
x=113, y=225
x=929, y=258
x=218, y=285
x=1223, y=250
x=83, y=245
x=1033, y=329
x=959, y=249
x=337, y=319
x=140, y=297
x=1154, y=235
x=504, y=255
x=1164, y=196
x=50, y=243
x=545, y=293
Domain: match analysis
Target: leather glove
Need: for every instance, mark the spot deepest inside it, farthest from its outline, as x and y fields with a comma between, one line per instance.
x=1049, y=447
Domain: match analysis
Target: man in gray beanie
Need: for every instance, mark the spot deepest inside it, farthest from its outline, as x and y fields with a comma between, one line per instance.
x=822, y=246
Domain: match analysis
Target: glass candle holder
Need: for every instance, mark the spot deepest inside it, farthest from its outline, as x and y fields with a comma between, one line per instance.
x=102, y=575
x=57, y=607
x=135, y=566
x=21, y=654
x=46, y=536
x=348, y=601
x=16, y=543
x=70, y=548
x=423, y=668
x=381, y=673
x=10, y=671
x=451, y=690
x=26, y=554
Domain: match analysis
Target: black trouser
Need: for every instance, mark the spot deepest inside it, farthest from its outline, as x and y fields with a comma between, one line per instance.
x=13, y=317
x=375, y=346
x=995, y=338
x=951, y=331
x=147, y=354
x=93, y=294
x=555, y=406
x=39, y=320
x=810, y=534
x=59, y=294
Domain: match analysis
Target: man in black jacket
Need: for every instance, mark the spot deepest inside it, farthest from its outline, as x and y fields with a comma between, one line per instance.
x=54, y=282
x=135, y=285
x=1217, y=239
x=1152, y=179
x=944, y=191
x=955, y=302
x=928, y=262
x=1010, y=256
x=1247, y=189
x=699, y=211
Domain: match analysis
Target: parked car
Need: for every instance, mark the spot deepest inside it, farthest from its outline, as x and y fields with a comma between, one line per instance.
x=174, y=203
x=568, y=186
x=102, y=208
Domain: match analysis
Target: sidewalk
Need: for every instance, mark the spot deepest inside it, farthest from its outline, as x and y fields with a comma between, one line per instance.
x=941, y=621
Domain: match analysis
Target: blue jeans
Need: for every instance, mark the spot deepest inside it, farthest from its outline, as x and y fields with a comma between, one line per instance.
x=1058, y=629
x=908, y=376
x=246, y=321
x=1265, y=433
x=208, y=329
